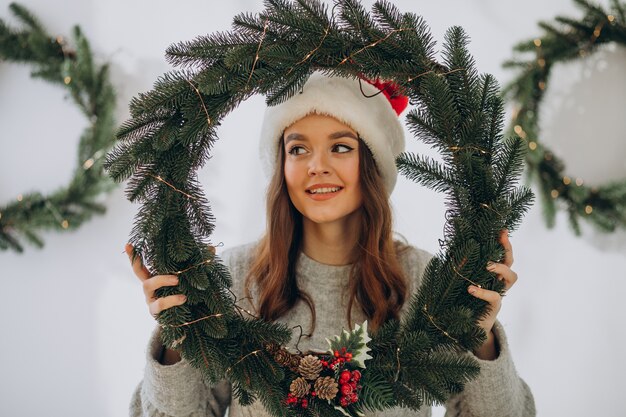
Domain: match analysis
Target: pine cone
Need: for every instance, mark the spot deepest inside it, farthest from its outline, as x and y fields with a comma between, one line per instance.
x=271, y=347
x=310, y=367
x=300, y=387
x=294, y=363
x=326, y=388
x=282, y=357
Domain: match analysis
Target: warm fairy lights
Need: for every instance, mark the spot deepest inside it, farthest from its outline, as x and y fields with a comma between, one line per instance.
x=410, y=79
x=371, y=45
x=20, y=197
x=464, y=277
x=554, y=193
x=88, y=164
x=206, y=112
x=256, y=57
x=208, y=261
x=537, y=42
x=432, y=321
x=256, y=352
x=588, y=209
x=532, y=145
x=67, y=80
x=579, y=181
x=158, y=178
x=567, y=180
x=92, y=160
x=189, y=323
x=610, y=18
x=63, y=222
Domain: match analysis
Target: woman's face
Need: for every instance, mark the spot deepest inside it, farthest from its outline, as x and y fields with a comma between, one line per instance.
x=322, y=168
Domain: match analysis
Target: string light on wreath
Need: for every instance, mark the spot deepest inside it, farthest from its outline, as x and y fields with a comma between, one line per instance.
x=74, y=70
x=603, y=206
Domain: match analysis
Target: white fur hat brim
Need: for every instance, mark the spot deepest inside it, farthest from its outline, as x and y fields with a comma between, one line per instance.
x=355, y=103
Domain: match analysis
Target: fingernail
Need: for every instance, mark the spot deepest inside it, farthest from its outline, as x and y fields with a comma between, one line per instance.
x=183, y=298
x=471, y=289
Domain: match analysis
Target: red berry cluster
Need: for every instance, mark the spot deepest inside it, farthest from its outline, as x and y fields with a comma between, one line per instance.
x=348, y=387
x=295, y=401
x=340, y=357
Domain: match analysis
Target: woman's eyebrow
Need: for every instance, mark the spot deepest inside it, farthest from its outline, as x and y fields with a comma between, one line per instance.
x=343, y=134
x=294, y=136
x=335, y=135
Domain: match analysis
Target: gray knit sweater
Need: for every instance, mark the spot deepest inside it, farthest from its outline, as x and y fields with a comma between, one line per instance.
x=178, y=390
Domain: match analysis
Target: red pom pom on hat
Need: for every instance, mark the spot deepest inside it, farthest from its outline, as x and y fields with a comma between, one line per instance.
x=391, y=90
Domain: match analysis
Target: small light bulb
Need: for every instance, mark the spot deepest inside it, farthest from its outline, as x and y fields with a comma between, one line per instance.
x=88, y=163
x=588, y=209
x=518, y=129
x=554, y=193
x=611, y=18
x=541, y=62
x=65, y=224
x=567, y=180
x=532, y=145
x=579, y=181
x=67, y=80
x=537, y=42
x=19, y=197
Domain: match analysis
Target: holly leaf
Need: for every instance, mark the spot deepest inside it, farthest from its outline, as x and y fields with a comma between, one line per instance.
x=355, y=342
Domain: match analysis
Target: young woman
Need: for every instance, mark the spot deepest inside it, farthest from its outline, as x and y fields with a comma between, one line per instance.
x=328, y=258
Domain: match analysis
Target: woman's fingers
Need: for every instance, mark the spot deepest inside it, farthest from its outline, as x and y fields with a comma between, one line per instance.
x=504, y=273
x=140, y=270
x=489, y=296
x=152, y=284
x=508, y=248
x=164, y=303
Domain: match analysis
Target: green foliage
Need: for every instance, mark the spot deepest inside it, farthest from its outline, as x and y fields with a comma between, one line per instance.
x=564, y=40
x=89, y=87
x=418, y=361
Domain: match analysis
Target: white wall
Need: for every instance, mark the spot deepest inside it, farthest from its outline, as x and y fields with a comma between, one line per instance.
x=73, y=319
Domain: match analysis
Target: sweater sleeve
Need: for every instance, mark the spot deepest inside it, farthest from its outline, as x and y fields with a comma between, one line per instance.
x=498, y=391
x=176, y=390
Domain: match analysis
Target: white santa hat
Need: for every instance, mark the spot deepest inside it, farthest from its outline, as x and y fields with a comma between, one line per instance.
x=355, y=103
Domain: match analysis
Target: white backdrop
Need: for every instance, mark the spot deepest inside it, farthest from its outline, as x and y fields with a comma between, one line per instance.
x=73, y=319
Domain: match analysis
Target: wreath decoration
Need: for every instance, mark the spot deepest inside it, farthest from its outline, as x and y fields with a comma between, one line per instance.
x=603, y=206
x=88, y=85
x=410, y=363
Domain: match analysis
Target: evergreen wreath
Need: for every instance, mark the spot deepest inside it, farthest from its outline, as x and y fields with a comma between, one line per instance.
x=603, y=206
x=415, y=362
x=88, y=85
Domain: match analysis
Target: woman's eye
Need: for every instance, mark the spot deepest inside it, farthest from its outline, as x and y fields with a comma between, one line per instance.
x=295, y=150
x=342, y=148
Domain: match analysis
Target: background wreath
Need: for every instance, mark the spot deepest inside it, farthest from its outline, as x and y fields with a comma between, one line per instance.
x=89, y=87
x=603, y=206
x=410, y=363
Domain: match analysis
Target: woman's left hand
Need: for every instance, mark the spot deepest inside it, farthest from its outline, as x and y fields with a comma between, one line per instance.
x=504, y=273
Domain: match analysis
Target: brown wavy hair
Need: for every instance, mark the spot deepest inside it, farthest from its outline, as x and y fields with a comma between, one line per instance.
x=377, y=283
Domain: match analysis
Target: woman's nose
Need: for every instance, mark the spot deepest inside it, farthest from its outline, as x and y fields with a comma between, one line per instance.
x=318, y=165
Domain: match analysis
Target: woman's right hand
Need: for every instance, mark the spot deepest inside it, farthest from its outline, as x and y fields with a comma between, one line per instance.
x=152, y=283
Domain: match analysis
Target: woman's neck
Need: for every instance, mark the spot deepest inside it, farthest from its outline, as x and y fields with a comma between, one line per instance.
x=331, y=243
